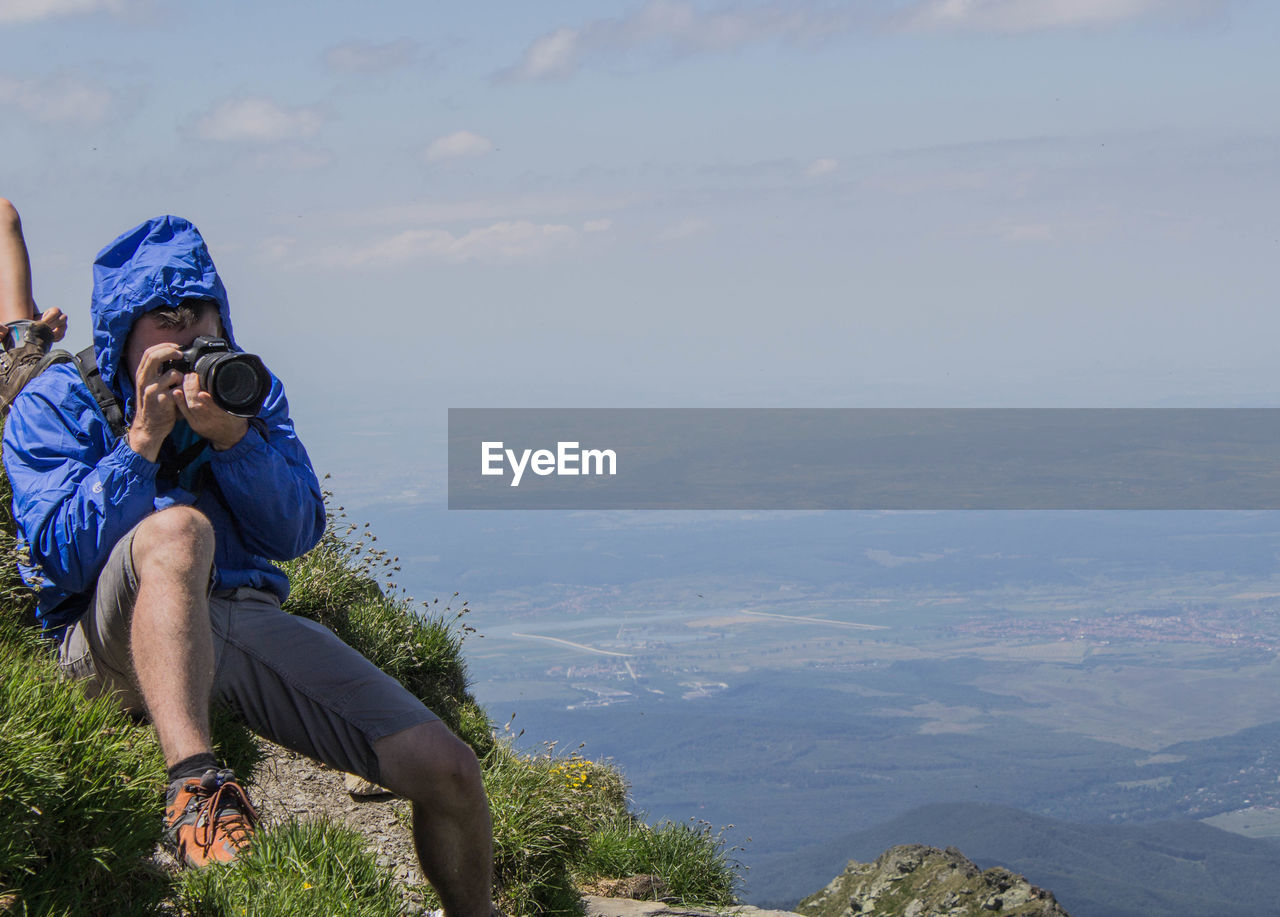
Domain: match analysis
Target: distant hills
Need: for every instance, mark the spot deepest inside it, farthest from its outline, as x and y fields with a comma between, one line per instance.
x=1162, y=869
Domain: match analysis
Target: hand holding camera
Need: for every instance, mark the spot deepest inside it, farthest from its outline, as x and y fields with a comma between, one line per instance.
x=238, y=382
x=213, y=387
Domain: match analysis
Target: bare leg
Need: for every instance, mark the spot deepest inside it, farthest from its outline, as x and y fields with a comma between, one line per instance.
x=16, y=301
x=439, y=773
x=171, y=641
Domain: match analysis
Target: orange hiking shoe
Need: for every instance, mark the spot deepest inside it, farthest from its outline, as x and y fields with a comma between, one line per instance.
x=208, y=819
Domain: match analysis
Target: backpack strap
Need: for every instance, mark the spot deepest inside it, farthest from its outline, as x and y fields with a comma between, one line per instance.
x=108, y=403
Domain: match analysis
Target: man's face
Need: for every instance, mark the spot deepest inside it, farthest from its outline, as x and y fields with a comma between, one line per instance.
x=147, y=332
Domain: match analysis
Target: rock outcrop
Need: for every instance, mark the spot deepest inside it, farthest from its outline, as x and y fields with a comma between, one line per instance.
x=919, y=881
x=625, y=907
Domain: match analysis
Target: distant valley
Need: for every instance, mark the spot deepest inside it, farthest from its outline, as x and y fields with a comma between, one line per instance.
x=809, y=677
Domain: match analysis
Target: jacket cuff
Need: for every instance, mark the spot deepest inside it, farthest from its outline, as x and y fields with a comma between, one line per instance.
x=251, y=440
x=134, y=463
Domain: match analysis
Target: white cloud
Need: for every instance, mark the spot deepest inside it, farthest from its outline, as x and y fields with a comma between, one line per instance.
x=525, y=205
x=275, y=248
x=924, y=180
x=255, y=119
x=1037, y=15
x=597, y=225
x=549, y=56
x=289, y=157
x=61, y=99
x=504, y=241
x=1028, y=232
x=368, y=57
x=678, y=27
x=686, y=228
x=821, y=167
x=34, y=10
x=458, y=144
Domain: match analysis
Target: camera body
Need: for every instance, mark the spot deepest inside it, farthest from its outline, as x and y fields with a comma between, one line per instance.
x=238, y=382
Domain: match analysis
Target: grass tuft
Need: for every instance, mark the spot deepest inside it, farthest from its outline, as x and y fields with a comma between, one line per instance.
x=79, y=796
x=691, y=859
x=296, y=869
x=543, y=809
x=17, y=600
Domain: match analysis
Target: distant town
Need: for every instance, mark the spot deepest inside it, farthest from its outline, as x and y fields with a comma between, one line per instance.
x=1227, y=628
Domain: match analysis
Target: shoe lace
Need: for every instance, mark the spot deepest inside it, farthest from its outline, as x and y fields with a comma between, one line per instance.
x=231, y=814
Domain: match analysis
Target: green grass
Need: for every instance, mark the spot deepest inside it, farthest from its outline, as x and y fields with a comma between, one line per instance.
x=80, y=785
x=691, y=859
x=17, y=602
x=297, y=869
x=79, y=796
x=544, y=807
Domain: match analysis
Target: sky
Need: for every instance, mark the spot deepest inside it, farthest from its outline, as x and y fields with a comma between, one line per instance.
x=663, y=203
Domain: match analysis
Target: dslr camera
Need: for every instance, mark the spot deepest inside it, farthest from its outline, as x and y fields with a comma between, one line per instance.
x=238, y=382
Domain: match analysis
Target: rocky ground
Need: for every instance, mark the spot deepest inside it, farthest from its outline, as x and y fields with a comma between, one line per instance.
x=917, y=881
x=621, y=907
x=612, y=907
x=286, y=785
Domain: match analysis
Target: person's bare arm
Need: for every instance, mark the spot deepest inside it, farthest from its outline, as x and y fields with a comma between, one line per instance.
x=16, y=300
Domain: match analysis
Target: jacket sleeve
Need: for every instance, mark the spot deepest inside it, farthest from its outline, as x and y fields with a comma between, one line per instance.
x=269, y=486
x=76, y=490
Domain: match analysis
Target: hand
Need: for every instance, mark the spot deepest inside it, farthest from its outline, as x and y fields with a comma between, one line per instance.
x=221, y=429
x=56, y=321
x=159, y=394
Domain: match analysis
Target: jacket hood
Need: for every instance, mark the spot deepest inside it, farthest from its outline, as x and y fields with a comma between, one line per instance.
x=157, y=264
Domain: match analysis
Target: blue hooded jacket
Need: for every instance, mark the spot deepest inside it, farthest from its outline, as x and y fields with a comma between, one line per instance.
x=77, y=489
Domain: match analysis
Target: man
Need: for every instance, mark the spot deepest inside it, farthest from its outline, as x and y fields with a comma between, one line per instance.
x=154, y=555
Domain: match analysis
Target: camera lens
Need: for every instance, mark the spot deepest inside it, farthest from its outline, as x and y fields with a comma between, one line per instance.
x=238, y=382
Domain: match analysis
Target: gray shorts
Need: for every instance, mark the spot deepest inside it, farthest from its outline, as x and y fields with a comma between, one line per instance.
x=291, y=679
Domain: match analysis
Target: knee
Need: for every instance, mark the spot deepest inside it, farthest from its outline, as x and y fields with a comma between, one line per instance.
x=448, y=767
x=459, y=769
x=178, y=539
x=431, y=766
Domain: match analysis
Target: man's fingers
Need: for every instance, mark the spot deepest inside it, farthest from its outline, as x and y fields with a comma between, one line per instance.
x=160, y=390
x=183, y=408
x=153, y=358
x=162, y=385
x=193, y=398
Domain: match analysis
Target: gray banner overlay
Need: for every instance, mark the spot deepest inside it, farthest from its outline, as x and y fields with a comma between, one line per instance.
x=904, y=459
